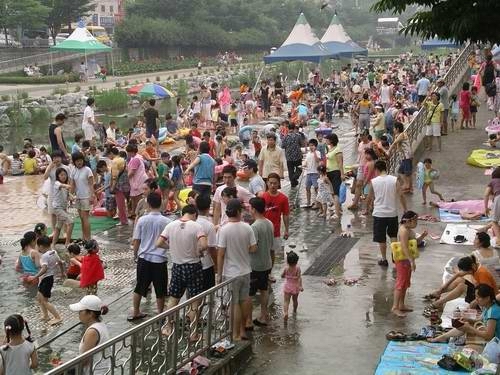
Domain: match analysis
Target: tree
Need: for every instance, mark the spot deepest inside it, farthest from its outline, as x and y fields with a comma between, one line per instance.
x=64, y=12
x=458, y=20
x=14, y=13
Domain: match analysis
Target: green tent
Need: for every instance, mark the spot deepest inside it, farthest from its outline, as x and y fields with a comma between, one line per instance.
x=81, y=40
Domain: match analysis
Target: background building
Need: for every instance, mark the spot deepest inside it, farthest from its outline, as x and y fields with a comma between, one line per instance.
x=108, y=13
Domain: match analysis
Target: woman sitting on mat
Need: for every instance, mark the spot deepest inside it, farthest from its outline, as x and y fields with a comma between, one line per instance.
x=463, y=283
x=485, y=254
x=487, y=328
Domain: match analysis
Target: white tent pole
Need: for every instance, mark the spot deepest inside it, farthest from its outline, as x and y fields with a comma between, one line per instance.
x=112, y=65
x=86, y=66
x=258, y=79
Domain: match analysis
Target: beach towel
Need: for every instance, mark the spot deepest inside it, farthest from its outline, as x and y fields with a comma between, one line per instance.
x=453, y=230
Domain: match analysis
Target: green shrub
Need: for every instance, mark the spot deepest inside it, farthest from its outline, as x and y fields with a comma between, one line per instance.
x=126, y=83
x=112, y=99
x=175, y=76
x=77, y=89
x=205, y=71
x=59, y=91
x=40, y=115
x=118, y=84
x=5, y=98
x=158, y=79
x=182, y=88
x=147, y=80
x=22, y=95
x=20, y=80
x=191, y=74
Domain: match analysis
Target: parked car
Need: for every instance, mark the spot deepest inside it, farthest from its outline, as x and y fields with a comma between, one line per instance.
x=11, y=42
x=59, y=38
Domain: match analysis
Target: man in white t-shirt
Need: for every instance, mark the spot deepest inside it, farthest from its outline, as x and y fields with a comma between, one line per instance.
x=384, y=193
x=236, y=240
x=256, y=184
x=385, y=94
x=203, y=203
x=229, y=177
x=423, y=86
x=311, y=163
x=111, y=134
x=187, y=241
x=88, y=122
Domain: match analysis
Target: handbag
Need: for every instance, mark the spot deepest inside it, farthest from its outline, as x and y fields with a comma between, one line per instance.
x=122, y=182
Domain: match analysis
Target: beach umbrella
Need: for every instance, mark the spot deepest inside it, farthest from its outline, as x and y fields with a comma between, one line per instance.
x=153, y=89
x=134, y=90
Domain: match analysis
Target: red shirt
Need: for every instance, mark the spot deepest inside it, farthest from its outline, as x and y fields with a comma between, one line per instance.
x=195, y=133
x=276, y=205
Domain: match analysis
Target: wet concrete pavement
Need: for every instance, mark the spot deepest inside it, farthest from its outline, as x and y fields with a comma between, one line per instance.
x=339, y=329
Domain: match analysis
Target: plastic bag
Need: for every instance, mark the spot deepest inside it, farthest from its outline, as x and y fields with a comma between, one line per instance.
x=342, y=193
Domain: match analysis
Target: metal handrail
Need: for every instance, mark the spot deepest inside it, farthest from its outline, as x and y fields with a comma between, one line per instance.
x=415, y=129
x=145, y=349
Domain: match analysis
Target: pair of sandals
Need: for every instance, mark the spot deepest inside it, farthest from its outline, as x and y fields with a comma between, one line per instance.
x=401, y=337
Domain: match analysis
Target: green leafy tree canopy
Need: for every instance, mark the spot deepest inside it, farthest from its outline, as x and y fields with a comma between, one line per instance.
x=459, y=20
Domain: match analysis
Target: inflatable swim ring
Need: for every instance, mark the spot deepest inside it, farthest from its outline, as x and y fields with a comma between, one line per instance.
x=484, y=158
x=242, y=175
x=168, y=141
x=420, y=175
x=397, y=250
x=99, y=211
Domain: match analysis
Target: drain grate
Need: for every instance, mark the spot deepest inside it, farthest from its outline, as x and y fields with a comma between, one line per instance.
x=332, y=252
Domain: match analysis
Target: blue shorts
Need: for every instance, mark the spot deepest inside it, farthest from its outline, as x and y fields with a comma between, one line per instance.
x=312, y=180
x=186, y=276
x=406, y=167
x=150, y=133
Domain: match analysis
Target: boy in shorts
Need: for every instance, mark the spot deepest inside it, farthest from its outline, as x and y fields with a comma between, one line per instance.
x=49, y=262
x=312, y=161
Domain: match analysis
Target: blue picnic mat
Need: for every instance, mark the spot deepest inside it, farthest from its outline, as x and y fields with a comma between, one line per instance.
x=412, y=357
x=453, y=216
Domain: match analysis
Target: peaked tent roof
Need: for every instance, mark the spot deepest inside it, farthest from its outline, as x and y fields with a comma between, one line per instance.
x=339, y=43
x=81, y=40
x=301, y=44
x=439, y=43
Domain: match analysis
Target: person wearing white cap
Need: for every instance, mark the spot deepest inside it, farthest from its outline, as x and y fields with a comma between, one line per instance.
x=90, y=308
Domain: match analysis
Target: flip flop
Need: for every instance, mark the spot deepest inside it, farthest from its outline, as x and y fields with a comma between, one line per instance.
x=132, y=318
x=395, y=336
x=415, y=337
x=430, y=297
x=258, y=323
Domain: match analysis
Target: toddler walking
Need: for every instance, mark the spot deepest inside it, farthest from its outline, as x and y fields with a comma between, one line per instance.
x=325, y=190
x=48, y=262
x=91, y=269
x=293, y=283
x=430, y=174
x=18, y=355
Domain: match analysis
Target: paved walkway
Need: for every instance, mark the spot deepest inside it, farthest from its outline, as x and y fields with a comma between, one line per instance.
x=37, y=90
x=343, y=327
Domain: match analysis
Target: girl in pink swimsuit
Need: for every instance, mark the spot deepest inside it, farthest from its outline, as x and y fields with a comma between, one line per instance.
x=293, y=283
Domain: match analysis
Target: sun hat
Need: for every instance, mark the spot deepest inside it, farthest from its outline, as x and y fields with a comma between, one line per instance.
x=90, y=302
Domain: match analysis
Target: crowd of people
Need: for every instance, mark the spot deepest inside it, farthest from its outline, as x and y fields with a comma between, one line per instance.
x=225, y=189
